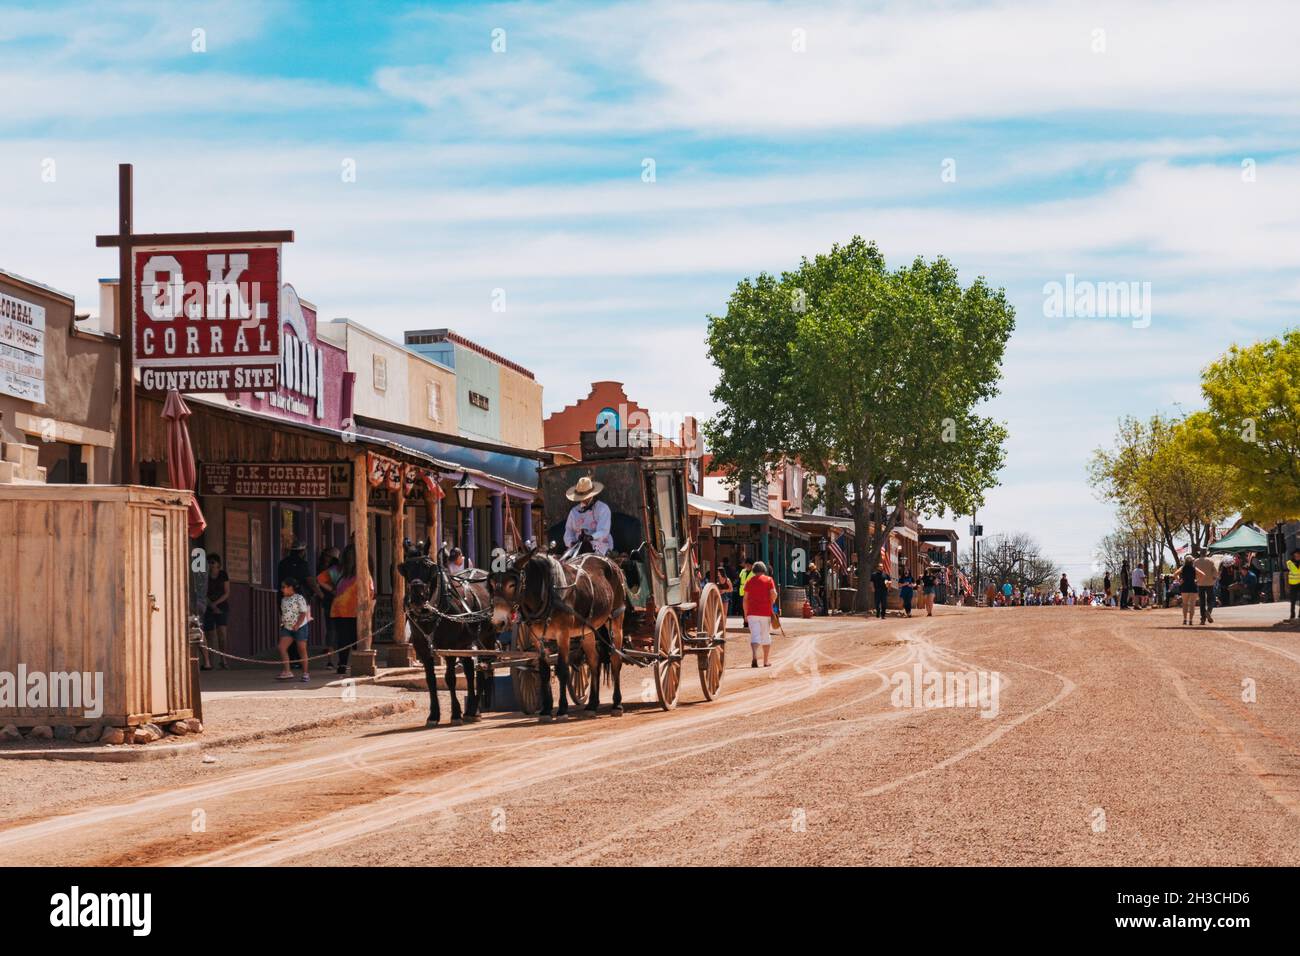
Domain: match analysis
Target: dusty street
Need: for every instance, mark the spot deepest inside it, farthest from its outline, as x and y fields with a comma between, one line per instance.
x=1118, y=738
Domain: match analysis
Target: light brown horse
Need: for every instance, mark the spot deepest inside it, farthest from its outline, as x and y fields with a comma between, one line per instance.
x=584, y=597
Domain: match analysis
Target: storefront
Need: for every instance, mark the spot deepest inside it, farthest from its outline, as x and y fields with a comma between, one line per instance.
x=56, y=389
x=264, y=484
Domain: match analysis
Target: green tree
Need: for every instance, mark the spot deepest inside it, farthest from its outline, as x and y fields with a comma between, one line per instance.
x=1252, y=424
x=869, y=376
x=1161, y=486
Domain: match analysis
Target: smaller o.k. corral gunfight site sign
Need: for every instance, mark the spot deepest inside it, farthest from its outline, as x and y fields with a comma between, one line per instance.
x=207, y=319
x=22, y=349
x=314, y=480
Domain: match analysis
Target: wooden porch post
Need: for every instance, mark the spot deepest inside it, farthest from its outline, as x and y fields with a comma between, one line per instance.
x=362, y=658
x=431, y=521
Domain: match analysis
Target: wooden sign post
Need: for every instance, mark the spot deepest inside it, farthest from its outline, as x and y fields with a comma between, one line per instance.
x=127, y=242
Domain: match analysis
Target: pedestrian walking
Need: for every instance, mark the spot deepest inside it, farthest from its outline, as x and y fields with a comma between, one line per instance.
x=327, y=580
x=906, y=588
x=1207, y=579
x=1187, y=588
x=813, y=580
x=1293, y=581
x=880, y=590
x=746, y=572
x=1125, y=577
x=724, y=586
x=760, y=593
x=928, y=581
x=1065, y=585
x=294, y=618
x=730, y=595
x=1106, y=586
x=343, y=608
x=1139, y=582
x=217, y=613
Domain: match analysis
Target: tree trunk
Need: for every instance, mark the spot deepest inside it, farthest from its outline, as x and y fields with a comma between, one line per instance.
x=861, y=535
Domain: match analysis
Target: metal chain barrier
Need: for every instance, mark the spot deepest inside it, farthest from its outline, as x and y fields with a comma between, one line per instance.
x=276, y=663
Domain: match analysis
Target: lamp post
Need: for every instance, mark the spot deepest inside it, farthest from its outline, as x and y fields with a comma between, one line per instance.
x=465, y=489
x=715, y=529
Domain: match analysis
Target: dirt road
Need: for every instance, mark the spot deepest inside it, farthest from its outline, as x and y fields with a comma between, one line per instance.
x=1102, y=737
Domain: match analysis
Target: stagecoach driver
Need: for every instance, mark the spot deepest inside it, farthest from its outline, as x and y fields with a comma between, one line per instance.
x=588, y=526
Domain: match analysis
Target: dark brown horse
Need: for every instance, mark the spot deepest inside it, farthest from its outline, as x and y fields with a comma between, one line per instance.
x=583, y=598
x=450, y=612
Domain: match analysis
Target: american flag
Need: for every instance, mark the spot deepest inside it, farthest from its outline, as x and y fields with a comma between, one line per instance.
x=884, y=561
x=836, y=552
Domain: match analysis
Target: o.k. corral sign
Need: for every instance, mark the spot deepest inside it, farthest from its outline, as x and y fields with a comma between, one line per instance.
x=207, y=318
x=22, y=349
x=287, y=480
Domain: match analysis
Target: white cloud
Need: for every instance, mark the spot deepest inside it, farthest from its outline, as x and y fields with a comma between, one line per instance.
x=732, y=66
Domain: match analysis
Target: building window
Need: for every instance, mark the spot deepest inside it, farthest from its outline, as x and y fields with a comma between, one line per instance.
x=435, y=402
x=379, y=373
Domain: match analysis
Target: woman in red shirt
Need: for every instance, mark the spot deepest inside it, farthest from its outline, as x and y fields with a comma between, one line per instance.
x=760, y=592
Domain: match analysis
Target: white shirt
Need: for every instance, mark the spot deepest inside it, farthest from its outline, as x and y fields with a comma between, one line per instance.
x=291, y=609
x=594, y=521
x=1139, y=577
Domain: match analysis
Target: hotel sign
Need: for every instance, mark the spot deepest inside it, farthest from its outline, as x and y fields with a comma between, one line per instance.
x=285, y=480
x=22, y=349
x=207, y=318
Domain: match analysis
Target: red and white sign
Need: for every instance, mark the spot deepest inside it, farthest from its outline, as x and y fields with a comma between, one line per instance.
x=207, y=319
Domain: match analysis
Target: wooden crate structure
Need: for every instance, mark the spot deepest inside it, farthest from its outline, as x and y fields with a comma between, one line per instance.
x=93, y=579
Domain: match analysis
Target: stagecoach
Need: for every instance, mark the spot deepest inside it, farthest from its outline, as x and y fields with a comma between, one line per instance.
x=673, y=619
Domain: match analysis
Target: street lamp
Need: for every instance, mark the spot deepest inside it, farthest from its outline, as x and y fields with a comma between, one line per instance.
x=465, y=489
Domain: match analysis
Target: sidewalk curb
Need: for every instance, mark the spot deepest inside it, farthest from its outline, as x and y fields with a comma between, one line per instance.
x=120, y=753
x=384, y=708
x=134, y=753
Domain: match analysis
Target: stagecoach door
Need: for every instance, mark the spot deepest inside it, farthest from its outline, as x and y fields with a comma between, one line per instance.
x=668, y=518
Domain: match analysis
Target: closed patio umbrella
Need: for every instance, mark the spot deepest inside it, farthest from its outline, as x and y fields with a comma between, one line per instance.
x=181, y=471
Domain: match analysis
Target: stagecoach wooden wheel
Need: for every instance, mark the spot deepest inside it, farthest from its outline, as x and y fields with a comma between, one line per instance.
x=668, y=642
x=579, y=682
x=713, y=625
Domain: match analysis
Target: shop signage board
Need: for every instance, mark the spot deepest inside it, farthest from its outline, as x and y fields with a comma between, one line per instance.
x=22, y=349
x=207, y=317
x=318, y=481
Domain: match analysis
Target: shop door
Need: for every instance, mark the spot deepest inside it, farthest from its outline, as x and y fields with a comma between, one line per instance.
x=333, y=533
x=292, y=527
x=158, y=601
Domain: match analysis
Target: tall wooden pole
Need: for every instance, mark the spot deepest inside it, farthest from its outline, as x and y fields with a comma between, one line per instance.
x=125, y=325
x=363, y=658
x=401, y=651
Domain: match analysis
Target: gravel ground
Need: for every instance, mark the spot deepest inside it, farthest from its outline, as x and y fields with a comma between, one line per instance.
x=1114, y=738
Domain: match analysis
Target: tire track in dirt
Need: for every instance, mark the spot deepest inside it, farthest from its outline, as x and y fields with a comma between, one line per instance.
x=1238, y=743
x=589, y=755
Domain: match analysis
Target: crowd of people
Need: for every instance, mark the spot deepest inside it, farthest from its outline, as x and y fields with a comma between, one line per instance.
x=1203, y=582
x=329, y=594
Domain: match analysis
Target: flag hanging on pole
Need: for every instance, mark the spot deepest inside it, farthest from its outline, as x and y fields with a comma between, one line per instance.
x=836, y=553
x=885, y=564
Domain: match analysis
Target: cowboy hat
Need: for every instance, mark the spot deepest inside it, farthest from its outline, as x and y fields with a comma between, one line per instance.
x=584, y=489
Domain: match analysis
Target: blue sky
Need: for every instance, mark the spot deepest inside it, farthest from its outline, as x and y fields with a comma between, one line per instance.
x=1103, y=140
